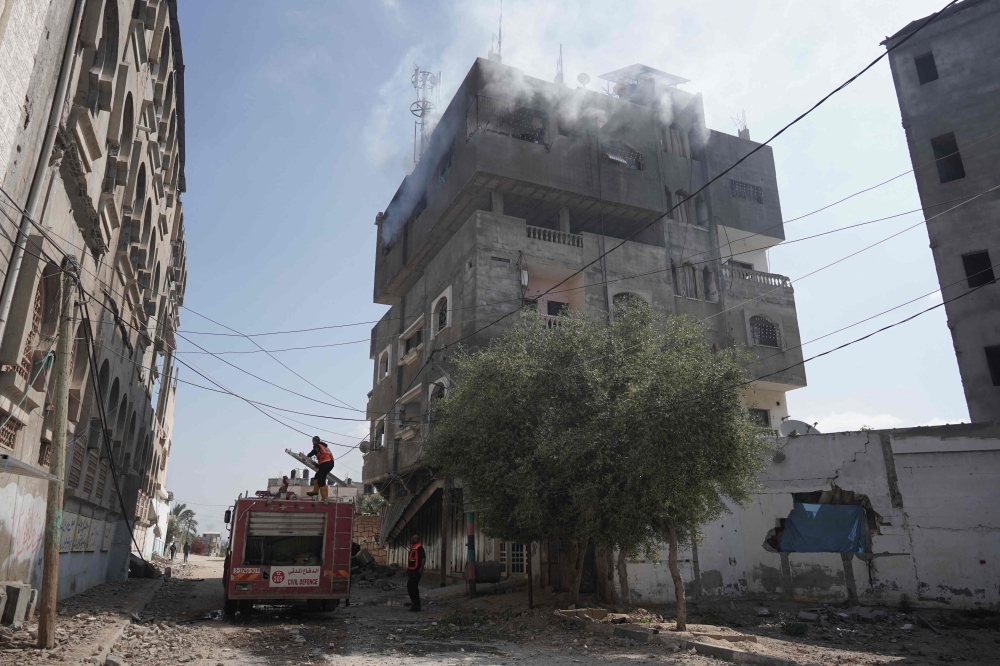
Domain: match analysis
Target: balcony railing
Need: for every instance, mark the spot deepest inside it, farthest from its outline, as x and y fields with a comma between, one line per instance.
x=770, y=279
x=493, y=115
x=551, y=236
x=552, y=321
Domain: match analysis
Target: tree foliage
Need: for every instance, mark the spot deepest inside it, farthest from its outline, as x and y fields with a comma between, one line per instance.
x=372, y=504
x=181, y=525
x=614, y=434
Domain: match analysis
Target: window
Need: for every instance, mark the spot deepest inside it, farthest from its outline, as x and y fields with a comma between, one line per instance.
x=926, y=69
x=978, y=268
x=690, y=281
x=673, y=141
x=674, y=278
x=383, y=364
x=681, y=212
x=993, y=361
x=949, y=160
x=517, y=558
x=708, y=279
x=761, y=417
x=378, y=440
x=441, y=312
x=555, y=308
x=701, y=212
x=411, y=342
x=445, y=165
x=746, y=191
x=519, y=122
x=741, y=264
x=764, y=333
x=624, y=154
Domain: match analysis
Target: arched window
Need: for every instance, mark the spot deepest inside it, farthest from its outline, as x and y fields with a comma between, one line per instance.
x=156, y=280
x=681, y=212
x=690, y=281
x=103, y=376
x=147, y=222
x=128, y=126
x=140, y=189
x=764, y=332
x=441, y=316
x=112, y=403
x=102, y=70
x=676, y=280
x=161, y=66
x=168, y=97
x=711, y=289
x=700, y=212
x=383, y=364
x=674, y=142
x=669, y=198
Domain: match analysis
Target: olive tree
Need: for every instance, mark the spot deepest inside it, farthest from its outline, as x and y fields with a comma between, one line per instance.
x=621, y=434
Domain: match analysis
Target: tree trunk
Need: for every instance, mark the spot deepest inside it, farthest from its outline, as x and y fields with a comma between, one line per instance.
x=605, y=568
x=675, y=574
x=577, y=551
x=623, y=579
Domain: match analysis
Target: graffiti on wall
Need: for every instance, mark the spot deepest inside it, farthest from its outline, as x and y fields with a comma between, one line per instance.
x=68, y=529
x=82, y=534
x=22, y=530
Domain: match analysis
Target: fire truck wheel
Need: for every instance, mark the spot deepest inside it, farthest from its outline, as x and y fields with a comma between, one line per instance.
x=229, y=607
x=244, y=607
x=330, y=604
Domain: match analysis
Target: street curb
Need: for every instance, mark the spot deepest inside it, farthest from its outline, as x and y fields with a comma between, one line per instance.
x=110, y=636
x=640, y=635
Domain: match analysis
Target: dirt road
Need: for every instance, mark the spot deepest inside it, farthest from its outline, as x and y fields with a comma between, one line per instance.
x=183, y=625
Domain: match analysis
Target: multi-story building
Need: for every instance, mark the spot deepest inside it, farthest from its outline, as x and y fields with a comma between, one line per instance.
x=947, y=79
x=92, y=146
x=523, y=184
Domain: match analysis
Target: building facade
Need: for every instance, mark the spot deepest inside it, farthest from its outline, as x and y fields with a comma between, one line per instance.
x=523, y=184
x=92, y=147
x=947, y=79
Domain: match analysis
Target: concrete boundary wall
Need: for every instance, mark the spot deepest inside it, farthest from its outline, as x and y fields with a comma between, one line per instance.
x=934, y=491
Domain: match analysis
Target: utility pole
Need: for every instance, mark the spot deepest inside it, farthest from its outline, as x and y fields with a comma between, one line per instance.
x=54, y=504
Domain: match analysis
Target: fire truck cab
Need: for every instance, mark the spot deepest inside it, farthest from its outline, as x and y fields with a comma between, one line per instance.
x=284, y=552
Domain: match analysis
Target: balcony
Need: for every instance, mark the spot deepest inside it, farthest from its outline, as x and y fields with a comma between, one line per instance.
x=552, y=236
x=552, y=321
x=733, y=273
x=493, y=115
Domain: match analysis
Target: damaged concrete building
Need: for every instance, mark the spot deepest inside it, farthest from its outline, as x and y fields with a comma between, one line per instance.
x=522, y=184
x=92, y=147
x=946, y=78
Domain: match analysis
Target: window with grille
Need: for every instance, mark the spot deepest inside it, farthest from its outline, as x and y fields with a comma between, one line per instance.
x=746, y=191
x=517, y=558
x=503, y=557
x=624, y=154
x=76, y=466
x=414, y=340
x=947, y=158
x=978, y=269
x=8, y=433
x=764, y=332
x=681, y=211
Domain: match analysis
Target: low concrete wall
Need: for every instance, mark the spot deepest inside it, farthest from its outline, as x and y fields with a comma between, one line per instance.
x=935, y=491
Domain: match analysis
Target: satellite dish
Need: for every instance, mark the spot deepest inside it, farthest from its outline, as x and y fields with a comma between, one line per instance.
x=793, y=428
x=583, y=78
x=365, y=446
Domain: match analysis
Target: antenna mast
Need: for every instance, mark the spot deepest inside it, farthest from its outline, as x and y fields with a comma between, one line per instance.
x=497, y=38
x=425, y=84
x=559, y=68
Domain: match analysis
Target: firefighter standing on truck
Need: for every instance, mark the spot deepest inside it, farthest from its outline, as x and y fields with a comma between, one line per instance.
x=414, y=569
x=324, y=461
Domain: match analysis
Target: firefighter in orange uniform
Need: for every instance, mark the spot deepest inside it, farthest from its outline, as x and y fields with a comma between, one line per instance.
x=324, y=461
x=414, y=569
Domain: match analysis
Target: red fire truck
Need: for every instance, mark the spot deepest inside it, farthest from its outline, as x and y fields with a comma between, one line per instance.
x=284, y=552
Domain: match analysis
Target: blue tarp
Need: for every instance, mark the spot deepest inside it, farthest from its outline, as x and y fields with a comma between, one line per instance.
x=824, y=528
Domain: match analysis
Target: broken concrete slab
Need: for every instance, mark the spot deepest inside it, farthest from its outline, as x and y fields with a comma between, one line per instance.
x=17, y=604
x=808, y=617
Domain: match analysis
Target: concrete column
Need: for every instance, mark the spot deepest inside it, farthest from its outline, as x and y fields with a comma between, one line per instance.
x=496, y=200
x=564, y=219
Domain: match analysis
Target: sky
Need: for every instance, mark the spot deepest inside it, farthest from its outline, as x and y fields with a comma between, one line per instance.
x=298, y=132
